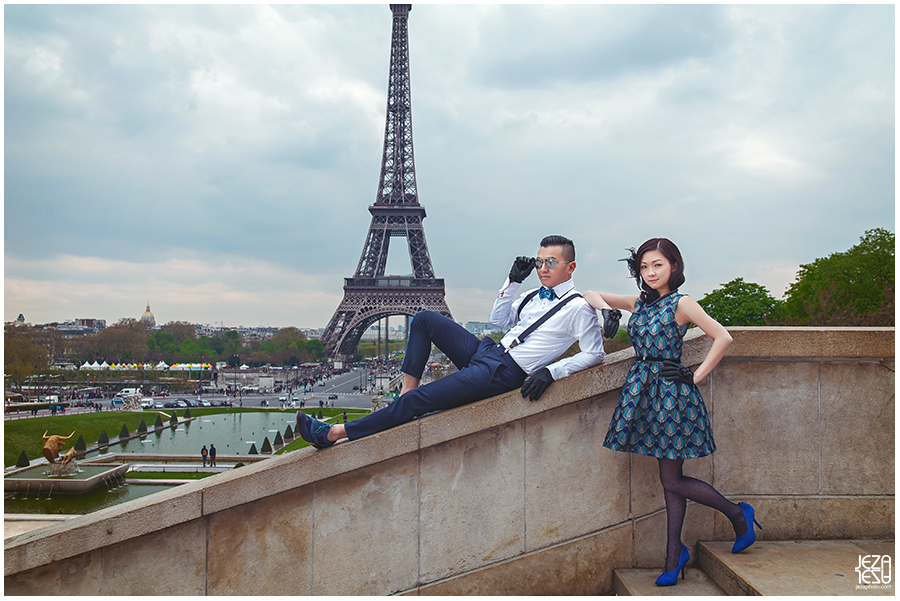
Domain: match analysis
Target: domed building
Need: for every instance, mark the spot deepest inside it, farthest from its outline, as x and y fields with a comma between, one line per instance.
x=148, y=318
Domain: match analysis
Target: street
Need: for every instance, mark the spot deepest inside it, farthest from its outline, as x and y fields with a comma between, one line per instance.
x=340, y=385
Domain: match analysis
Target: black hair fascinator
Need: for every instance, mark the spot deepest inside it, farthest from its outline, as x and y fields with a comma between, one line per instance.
x=633, y=266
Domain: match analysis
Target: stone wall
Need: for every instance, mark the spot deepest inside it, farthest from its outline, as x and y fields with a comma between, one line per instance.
x=507, y=496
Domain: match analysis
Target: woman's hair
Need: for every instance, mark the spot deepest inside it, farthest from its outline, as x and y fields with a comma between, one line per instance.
x=670, y=252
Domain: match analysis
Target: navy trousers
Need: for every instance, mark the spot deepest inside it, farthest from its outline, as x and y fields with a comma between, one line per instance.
x=484, y=371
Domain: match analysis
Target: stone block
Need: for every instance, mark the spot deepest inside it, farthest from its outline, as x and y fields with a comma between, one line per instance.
x=103, y=528
x=249, y=546
x=366, y=535
x=766, y=428
x=78, y=575
x=580, y=567
x=472, y=510
x=166, y=562
x=568, y=472
x=860, y=517
x=646, y=491
x=811, y=342
x=782, y=517
x=305, y=466
x=857, y=428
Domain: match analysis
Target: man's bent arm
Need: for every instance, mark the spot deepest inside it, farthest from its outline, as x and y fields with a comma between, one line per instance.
x=587, y=329
x=503, y=315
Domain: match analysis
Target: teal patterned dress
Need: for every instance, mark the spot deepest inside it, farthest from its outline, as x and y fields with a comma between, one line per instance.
x=655, y=416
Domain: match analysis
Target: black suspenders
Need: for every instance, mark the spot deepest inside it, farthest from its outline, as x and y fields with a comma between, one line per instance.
x=521, y=337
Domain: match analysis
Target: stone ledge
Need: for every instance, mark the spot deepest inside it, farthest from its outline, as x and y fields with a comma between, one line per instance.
x=811, y=342
x=286, y=472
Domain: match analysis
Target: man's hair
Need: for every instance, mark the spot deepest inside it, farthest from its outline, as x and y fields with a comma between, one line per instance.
x=567, y=245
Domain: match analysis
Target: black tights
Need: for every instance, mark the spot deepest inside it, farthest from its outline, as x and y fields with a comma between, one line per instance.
x=678, y=488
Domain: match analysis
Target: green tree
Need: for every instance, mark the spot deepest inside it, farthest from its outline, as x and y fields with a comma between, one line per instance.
x=740, y=303
x=846, y=287
x=180, y=331
x=316, y=349
x=286, y=337
x=233, y=343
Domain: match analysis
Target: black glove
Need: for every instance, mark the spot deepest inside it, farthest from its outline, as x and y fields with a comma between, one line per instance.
x=675, y=371
x=521, y=268
x=539, y=382
x=610, y=322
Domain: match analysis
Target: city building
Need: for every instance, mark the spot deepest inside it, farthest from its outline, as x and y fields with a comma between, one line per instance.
x=148, y=318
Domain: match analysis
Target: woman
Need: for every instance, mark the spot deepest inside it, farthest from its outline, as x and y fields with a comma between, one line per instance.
x=660, y=412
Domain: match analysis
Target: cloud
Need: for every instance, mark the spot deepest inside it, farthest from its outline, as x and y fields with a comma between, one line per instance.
x=221, y=158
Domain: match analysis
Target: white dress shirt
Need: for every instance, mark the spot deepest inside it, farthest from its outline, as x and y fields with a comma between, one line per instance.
x=577, y=320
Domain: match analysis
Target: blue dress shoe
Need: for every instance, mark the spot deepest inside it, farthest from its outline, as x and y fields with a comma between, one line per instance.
x=313, y=431
x=749, y=537
x=670, y=578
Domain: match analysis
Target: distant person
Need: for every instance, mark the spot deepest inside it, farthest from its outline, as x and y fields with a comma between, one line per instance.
x=660, y=412
x=212, y=455
x=204, y=453
x=486, y=368
x=345, y=417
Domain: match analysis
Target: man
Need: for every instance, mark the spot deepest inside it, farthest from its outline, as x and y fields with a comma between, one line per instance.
x=486, y=368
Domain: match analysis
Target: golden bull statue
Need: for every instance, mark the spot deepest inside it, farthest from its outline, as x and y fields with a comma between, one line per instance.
x=53, y=445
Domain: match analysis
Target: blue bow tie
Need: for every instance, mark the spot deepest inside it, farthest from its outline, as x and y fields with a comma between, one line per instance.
x=547, y=293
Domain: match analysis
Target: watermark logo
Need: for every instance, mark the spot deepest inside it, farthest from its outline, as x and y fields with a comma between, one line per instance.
x=874, y=572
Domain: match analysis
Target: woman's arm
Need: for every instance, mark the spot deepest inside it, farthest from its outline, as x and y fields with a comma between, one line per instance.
x=690, y=310
x=605, y=300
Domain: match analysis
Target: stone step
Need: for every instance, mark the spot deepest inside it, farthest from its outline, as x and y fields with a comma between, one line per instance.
x=642, y=582
x=808, y=567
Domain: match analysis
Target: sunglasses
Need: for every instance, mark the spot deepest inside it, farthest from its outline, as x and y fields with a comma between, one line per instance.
x=550, y=262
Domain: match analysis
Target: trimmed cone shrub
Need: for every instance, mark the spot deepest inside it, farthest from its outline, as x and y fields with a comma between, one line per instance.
x=159, y=422
x=104, y=438
x=288, y=433
x=23, y=460
x=278, y=439
x=267, y=446
x=80, y=445
x=253, y=450
x=124, y=432
x=142, y=428
x=187, y=413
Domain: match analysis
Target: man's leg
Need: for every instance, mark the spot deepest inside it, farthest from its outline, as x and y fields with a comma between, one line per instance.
x=479, y=380
x=428, y=327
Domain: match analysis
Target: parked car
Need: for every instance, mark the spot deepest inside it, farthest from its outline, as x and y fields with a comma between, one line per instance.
x=146, y=403
x=205, y=404
x=332, y=397
x=181, y=403
x=159, y=405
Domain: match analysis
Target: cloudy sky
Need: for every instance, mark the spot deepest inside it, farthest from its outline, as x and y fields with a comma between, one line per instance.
x=218, y=161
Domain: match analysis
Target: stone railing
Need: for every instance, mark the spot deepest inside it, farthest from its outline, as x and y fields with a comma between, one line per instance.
x=507, y=496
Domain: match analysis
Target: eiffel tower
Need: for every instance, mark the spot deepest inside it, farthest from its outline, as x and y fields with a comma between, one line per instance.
x=370, y=294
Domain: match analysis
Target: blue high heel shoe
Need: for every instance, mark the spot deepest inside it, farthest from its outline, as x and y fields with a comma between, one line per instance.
x=670, y=578
x=749, y=537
